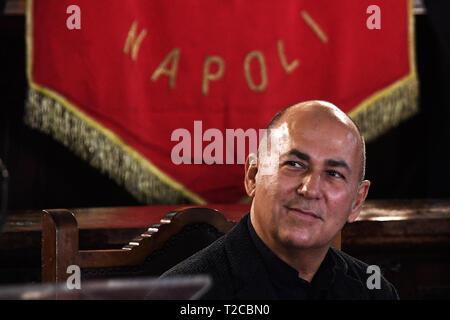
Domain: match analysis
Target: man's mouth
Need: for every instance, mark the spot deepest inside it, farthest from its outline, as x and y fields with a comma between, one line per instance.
x=304, y=212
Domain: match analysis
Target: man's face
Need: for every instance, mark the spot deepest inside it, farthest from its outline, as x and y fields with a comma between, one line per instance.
x=313, y=189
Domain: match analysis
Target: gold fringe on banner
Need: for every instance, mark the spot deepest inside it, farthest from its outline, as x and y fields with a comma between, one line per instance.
x=52, y=114
x=49, y=116
x=387, y=110
x=384, y=111
x=387, y=107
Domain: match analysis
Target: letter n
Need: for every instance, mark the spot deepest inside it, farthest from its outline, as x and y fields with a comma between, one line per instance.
x=74, y=281
x=73, y=21
x=133, y=42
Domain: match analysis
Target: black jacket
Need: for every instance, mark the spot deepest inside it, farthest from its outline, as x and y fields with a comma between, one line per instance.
x=238, y=271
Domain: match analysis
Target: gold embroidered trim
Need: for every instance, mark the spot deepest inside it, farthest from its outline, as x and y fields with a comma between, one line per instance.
x=137, y=174
x=388, y=110
x=51, y=117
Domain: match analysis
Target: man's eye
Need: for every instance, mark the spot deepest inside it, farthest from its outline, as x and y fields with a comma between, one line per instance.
x=294, y=164
x=335, y=174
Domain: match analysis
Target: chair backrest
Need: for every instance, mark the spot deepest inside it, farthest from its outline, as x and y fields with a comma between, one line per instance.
x=178, y=235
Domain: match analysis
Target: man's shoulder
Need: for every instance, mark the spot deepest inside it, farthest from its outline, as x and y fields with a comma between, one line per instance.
x=213, y=262
x=206, y=261
x=369, y=276
x=353, y=264
x=216, y=259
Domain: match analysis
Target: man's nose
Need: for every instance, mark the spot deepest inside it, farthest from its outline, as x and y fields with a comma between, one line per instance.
x=310, y=186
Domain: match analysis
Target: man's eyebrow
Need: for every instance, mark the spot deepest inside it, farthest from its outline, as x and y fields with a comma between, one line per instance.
x=337, y=163
x=328, y=162
x=298, y=154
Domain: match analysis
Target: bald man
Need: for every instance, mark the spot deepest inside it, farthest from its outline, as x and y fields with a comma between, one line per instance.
x=306, y=182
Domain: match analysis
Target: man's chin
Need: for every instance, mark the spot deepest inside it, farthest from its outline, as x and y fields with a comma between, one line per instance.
x=298, y=243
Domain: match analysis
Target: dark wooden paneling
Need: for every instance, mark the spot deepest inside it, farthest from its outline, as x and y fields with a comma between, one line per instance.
x=408, y=239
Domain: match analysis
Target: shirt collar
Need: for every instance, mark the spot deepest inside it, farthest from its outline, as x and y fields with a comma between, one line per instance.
x=286, y=275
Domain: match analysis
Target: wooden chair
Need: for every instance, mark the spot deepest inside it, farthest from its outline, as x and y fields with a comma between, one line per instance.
x=177, y=236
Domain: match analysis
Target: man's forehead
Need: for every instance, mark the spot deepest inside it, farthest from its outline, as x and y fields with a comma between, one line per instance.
x=322, y=131
x=320, y=147
x=318, y=119
x=317, y=112
x=318, y=129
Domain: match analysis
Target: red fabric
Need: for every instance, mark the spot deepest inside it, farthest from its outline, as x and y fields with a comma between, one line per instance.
x=88, y=67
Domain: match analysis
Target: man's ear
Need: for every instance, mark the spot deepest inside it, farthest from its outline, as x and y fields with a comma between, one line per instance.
x=251, y=168
x=359, y=201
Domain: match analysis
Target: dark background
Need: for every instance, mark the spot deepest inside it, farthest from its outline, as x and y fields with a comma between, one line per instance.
x=410, y=161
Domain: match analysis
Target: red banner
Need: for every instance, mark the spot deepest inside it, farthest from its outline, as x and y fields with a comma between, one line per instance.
x=154, y=93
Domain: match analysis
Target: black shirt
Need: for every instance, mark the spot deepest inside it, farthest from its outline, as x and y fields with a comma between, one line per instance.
x=243, y=268
x=285, y=279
